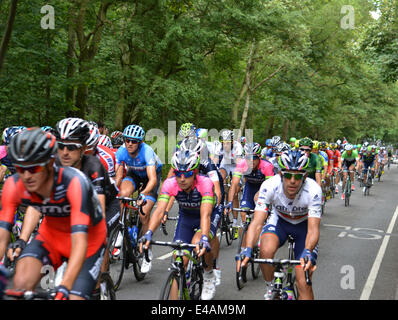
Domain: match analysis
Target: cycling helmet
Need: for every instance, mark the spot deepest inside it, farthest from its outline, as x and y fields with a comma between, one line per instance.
x=116, y=133
x=242, y=140
x=306, y=142
x=104, y=140
x=134, y=132
x=32, y=145
x=292, y=139
x=227, y=135
x=192, y=144
x=366, y=143
x=93, y=137
x=323, y=145
x=315, y=144
x=275, y=141
x=93, y=123
x=297, y=144
x=185, y=160
x=338, y=142
x=268, y=142
x=72, y=129
x=201, y=133
x=293, y=160
x=369, y=149
x=187, y=130
x=252, y=149
x=282, y=147
x=47, y=129
x=348, y=147
x=10, y=132
x=333, y=145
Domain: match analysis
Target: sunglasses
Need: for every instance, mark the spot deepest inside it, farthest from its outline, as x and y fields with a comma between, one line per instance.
x=31, y=169
x=297, y=176
x=186, y=174
x=133, y=141
x=305, y=149
x=69, y=146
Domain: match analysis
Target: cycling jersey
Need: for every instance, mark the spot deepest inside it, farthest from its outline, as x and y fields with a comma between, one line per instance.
x=314, y=165
x=336, y=156
x=353, y=157
x=72, y=207
x=189, y=206
x=289, y=216
x=108, y=159
x=382, y=155
x=228, y=159
x=263, y=172
x=368, y=156
x=145, y=157
x=5, y=160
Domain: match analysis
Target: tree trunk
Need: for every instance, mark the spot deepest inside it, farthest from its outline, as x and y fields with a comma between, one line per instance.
x=285, y=130
x=7, y=33
x=70, y=54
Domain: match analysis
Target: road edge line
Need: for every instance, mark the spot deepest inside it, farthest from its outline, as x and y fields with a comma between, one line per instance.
x=367, y=290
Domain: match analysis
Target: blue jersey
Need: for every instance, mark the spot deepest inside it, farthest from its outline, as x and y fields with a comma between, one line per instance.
x=144, y=158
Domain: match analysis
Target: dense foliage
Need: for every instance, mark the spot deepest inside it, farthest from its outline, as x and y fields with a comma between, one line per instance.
x=284, y=67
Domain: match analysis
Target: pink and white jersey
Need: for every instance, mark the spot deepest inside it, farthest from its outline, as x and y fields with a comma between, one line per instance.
x=263, y=172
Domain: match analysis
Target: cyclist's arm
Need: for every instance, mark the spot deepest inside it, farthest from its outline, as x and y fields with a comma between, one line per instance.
x=312, y=233
x=152, y=180
x=30, y=221
x=119, y=175
x=3, y=170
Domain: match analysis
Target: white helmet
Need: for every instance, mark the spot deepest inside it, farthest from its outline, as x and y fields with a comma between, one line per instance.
x=185, y=160
x=93, y=138
x=348, y=147
x=192, y=143
x=104, y=140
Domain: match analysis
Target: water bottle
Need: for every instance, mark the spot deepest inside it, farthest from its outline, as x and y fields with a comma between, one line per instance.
x=133, y=235
x=287, y=293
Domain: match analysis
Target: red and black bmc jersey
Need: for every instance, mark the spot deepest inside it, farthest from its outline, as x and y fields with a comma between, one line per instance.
x=72, y=207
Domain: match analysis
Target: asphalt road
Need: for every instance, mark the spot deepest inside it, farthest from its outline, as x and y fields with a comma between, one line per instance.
x=357, y=258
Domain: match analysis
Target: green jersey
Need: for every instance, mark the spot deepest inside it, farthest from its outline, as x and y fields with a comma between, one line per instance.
x=314, y=166
x=354, y=156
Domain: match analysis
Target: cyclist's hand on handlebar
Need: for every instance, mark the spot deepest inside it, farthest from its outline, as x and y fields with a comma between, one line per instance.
x=15, y=249
x=245, y=256
x=146, y=240
x=203, y=245
x=164, y=219
x=228, y=207
x=311, y=263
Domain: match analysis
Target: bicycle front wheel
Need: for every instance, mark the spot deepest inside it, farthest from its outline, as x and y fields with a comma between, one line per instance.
x=138, y=257
x=107, y=291
x=117, y=255
x=173, y=283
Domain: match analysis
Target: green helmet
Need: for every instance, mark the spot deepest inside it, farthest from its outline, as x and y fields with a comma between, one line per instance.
x=306, y=142
x=187, y=130
x=292, y=139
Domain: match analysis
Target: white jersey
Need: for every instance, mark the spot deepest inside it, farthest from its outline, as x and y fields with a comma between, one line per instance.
x=229, y=158
x=307, y=202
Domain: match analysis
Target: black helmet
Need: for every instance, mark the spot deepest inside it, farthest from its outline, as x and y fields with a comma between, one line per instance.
x=32, y=145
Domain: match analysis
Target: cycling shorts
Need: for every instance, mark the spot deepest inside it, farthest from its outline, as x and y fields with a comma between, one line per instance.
x=368, y=165
x=188, y=225
x=88, y=275
x=283, y=228
x=136, y=180
x=249, y=191
x=347, y=164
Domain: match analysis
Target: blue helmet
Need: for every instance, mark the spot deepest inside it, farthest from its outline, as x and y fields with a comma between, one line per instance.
x=293, y=160
x=133, y=131
x=10, y=132
x=268, y=142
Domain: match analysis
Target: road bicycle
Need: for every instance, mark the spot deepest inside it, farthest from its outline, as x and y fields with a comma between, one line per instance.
x=189, y=281
x=347, y=189
x=241, y=276
x=123, y=242
x=226, y=228
x=284, y=287
x=368, y=184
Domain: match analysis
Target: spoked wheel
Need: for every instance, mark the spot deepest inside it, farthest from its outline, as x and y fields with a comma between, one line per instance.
x=107, y=291
x=137, y=257
x=173, y=280
x=117, y=255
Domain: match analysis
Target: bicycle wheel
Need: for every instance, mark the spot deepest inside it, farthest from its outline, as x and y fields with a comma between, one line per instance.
x=255, y=267
x=240, y=275
x=196, y=285
x=172, y=278
x=117, y=255
x=347, y=193
x=228, y=230
x=107, y=291
x=137, y=257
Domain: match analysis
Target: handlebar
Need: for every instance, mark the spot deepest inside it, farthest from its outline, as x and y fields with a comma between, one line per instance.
x=127, y=200
x=248, y=211
x=163, y=225
x=30, y=295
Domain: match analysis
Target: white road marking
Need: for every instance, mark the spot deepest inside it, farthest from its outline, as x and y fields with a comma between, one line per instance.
x=367, y=290
x=165, y=256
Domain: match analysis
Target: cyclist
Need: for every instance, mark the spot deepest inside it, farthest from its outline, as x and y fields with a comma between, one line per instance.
x=102, y=152
x=292, y=142
x=8, y=134
x=323, y=146
x=350, y=160
x=197, y=216
x=314, y=167
x=368, y=161
x=382, y=159
x=337, y=163
x=278, y=151
x=295, y=211
x=116, y=139
x=105, y=141
x=254, y=171
x=143, y=167
x=73, y=226
x=267, y=150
